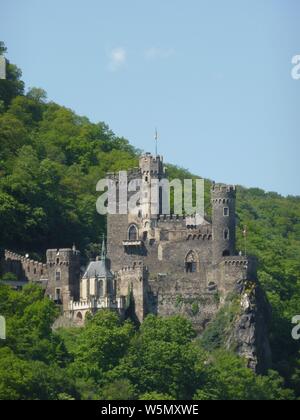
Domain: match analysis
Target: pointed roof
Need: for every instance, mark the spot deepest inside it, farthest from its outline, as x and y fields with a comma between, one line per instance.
x=99, y=268
x=103, y=250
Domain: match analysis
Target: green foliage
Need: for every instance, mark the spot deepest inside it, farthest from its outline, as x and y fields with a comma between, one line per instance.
x=12, y=86
x=32, y=358
x=37, y=94
x=195, y=308
x=50, y=162
x=3, y=48
x=219, y=328
x=98, y=348
x=228, y=379
x=155, y=396
x=31, y=380
x=107, y=359
x=120, y=390
x=9, y=277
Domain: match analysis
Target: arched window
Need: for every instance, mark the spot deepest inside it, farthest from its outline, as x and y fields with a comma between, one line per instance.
x=58, y=275
x=133, y=233
x=191, y=265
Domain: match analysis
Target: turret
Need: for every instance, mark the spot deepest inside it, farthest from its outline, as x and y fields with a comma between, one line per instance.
x=223, y=220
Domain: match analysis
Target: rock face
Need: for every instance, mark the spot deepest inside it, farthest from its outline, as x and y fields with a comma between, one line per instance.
x=249, y=333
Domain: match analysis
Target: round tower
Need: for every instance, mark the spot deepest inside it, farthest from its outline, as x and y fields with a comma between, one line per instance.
x=223, y=220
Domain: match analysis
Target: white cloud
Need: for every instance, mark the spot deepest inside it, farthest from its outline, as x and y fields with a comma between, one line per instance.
x=155, y=53
x=117, y=58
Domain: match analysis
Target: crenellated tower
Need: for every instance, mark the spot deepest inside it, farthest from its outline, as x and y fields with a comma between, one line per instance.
x=152, y=169
x=63, y=275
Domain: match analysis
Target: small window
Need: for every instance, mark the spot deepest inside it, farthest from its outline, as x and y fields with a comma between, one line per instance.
x=58, y=276
x=133, y=233
x=226, y=234
x=57, y=295
x=57, y=261
x=191, y=263
x=226, y=211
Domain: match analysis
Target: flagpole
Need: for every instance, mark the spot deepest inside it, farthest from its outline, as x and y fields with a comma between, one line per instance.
x=156, y=138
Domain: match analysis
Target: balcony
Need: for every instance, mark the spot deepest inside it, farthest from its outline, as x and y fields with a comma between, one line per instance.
x=133, y=243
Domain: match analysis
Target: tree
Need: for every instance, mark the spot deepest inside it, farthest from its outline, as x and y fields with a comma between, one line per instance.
x=227, y=378
x=161, y=358
x=101, y=345
x=31, y=380
x=121, y=390
x=3, y=48
x=155, y=396
x=37, y=94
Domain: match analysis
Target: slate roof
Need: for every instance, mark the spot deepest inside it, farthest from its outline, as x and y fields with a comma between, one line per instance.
x=97, y=269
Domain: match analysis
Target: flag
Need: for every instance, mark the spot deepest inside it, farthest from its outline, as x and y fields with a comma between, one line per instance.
x=245, y=231
x=156, y=134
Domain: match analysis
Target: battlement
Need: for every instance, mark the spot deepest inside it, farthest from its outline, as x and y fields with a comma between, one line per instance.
x=24, y=268
x=62, y=256
x=238, y=261
x=219, y=191
x=199, y=237
x=133, y=268
x=151, y=165
x=12, y=256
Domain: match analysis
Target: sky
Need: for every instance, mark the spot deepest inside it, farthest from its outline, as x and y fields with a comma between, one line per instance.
x=214, y=77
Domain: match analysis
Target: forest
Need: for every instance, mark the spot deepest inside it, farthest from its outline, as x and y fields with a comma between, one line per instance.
x=50, y=162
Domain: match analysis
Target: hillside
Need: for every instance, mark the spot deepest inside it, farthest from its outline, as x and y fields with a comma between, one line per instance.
x=50, y=162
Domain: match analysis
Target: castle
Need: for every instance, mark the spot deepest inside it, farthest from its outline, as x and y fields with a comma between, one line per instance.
x=162, y=264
